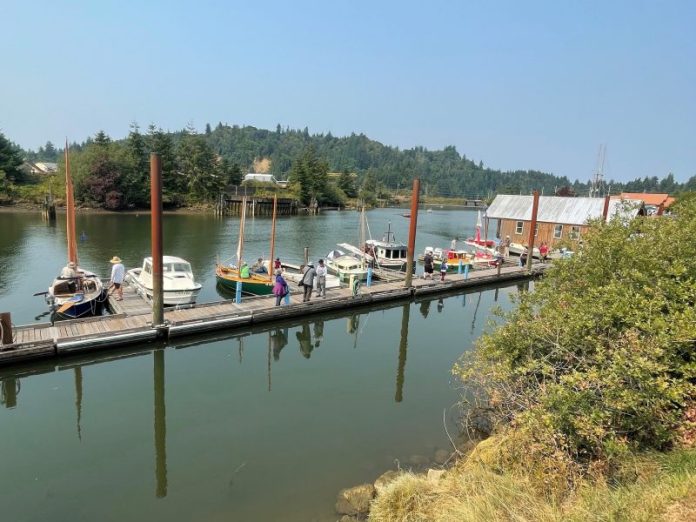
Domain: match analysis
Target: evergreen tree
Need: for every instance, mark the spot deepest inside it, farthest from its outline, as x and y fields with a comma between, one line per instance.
x=172, y=183
x=136, y=183
x=11, y=161
x=347, y=184
x=198, y=164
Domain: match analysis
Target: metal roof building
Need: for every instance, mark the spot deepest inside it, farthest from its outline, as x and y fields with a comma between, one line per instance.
x=554, y=209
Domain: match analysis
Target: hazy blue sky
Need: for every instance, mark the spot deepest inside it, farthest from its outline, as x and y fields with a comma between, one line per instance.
x=515, y=84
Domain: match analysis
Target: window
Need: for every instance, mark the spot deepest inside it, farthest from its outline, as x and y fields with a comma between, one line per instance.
x=536, y=229
x=574, y=233
x=518, y=227
x=557, y=231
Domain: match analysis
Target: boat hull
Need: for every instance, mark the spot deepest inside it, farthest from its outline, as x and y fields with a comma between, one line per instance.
x=229, y=279
x=85, y=308
x=92, y=295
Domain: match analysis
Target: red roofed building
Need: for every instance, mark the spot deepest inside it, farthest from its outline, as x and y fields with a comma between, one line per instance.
x=655, y=204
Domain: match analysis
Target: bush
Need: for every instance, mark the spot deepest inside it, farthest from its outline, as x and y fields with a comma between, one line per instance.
x=601, y=354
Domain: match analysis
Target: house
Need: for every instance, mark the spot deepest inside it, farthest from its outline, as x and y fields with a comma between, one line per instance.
x=265, y=178
x=655, y=204
x=40, y=167
x=558, y=218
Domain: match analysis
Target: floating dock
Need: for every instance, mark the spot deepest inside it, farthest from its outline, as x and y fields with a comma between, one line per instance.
x=132, y=320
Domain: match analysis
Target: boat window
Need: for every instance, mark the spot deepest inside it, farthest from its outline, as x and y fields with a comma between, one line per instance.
x=557, y=231
x=148, y=268
x=518, y=227
x=177, y=267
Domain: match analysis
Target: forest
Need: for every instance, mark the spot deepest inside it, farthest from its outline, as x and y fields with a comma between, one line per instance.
x=197, y=166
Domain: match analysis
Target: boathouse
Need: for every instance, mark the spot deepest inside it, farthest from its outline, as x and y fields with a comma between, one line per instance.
x=655, y=204
x=558, y=218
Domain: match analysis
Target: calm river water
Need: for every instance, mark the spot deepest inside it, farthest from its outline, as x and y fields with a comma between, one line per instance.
x=261, y=424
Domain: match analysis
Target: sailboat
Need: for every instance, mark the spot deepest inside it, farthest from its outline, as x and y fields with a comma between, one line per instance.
x=82, y=293
x=486, y=246
x=228, y=277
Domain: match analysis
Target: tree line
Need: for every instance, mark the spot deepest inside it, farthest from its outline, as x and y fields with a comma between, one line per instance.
x=198, y=166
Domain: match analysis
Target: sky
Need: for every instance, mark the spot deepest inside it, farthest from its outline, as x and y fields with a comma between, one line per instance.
x=515, y=84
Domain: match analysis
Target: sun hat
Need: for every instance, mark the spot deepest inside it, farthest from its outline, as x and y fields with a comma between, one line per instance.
x=71, y=264
x=115, y=259
x=278, y=272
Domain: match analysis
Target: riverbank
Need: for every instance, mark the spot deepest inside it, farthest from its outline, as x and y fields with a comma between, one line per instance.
x=35, y=208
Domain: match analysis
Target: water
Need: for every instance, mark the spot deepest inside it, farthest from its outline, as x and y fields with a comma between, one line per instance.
x=262, y=424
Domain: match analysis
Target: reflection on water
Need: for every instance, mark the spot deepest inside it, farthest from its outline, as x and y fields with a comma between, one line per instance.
x=240, y=418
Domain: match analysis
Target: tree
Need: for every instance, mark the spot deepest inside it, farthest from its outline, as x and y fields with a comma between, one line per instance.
x=346, y=183
x=172, y=183
x=208, y=131
x=309, y=175
x=198, y=165
x=50, y=152
x=368, y=190
x=137, y=172
x=11, y=161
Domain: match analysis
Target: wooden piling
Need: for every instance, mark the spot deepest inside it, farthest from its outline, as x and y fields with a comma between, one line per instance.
x=412, y=232
x=156, y=239
x=532, y=229
x=6, y=324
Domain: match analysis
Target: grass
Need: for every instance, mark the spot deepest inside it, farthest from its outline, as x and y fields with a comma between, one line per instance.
x=653, y=487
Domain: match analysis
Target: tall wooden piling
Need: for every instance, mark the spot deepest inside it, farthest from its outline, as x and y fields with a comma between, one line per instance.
x=403, y=347
x=412, y=232
x=156, y=238
x=605, y=212
x=532, y=229
x=6, y=327
x=160, y=426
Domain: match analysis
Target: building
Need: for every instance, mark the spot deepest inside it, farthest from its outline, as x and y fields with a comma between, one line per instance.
x=40, y=167
x=558, y=218
x=655, y=204
x=265, y=178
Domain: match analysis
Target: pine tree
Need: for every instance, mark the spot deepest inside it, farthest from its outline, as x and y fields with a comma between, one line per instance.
x=11, y=160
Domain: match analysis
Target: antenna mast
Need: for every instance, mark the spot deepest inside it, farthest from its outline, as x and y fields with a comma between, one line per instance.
x=597, y=183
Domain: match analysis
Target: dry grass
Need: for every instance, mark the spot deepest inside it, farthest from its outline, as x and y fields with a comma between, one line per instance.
x=654, y=487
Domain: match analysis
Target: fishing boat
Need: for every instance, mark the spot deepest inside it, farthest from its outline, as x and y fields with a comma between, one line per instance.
x=229, y=276
x=76, y=292
x=178, y=285
x=388, y=253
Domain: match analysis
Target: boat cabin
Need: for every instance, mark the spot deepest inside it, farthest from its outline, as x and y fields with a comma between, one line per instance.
x=172, y=268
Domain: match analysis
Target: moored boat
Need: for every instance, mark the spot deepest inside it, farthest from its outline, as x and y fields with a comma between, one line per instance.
x=388, y=253
x=178, y=284
x=345, y=265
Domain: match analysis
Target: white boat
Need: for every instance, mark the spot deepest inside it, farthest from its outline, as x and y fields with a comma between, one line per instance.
x=178, y=287
x=345, y=265
x=518, y=248
x=388, y=253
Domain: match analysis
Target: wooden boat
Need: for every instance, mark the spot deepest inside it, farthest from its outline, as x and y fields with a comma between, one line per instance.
x=228, y=276
x=345, y=265
x=486, y=246
x=179, y=287
x=81, y=294
x=388, y=253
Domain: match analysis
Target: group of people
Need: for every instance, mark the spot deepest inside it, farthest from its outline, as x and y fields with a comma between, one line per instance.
x=429, y=264
x=309, y=273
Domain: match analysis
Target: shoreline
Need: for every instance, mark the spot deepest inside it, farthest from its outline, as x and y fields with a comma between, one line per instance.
x=27, y=208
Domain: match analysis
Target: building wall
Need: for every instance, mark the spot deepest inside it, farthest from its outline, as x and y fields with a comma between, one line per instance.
x=545, y=232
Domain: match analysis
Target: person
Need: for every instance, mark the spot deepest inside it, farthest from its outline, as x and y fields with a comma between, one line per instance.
x=277, y=265
x=321, y=279
x=453, y=244
x=543, y=251
x=428, y=266
x=259, y=267
x=523, y=257
x=305, y=339
x=69, y=271
x=280, y=288
x=118, y=273
x=443, y=269
x=506, y=247
x=308, y=282
x=244, y=271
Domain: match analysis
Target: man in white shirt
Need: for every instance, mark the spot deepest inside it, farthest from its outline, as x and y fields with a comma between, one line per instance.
x=321, y=279
x=118, y=273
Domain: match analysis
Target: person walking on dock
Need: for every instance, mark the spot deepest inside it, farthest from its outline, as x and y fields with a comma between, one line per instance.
x=280, y=288
x=506, y=247
x=443, y=270
x=118, y=273
x=428, y=266
x=321, y=279
x=308, y=282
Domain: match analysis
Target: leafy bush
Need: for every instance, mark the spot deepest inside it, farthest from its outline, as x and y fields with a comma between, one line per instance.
x=600, y=355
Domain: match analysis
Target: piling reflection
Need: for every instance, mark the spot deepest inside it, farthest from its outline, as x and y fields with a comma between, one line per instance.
x=160, y=426
x=9, y=389
x=403, y=346
x=78, y=400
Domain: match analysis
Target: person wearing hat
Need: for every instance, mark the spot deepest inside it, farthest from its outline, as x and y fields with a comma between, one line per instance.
x=118, y=273
x=70, y=273
x=308, y=282
x=321, y=279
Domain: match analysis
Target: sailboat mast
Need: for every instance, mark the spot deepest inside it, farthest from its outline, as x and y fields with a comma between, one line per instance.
x=240, y=244
x=273, y=223
x=70, y=210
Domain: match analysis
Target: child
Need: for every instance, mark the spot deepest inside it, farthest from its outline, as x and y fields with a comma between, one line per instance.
x=443, y=269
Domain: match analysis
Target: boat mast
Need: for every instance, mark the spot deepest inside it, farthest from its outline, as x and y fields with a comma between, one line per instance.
x=70, y=210
x=270, y=262
x=240, y=243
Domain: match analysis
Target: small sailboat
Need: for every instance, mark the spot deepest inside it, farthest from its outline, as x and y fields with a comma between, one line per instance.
x=76, y=292
x=487, y=246
x=229, y=276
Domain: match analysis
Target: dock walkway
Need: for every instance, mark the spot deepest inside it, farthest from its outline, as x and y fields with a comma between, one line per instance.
x=132, y=322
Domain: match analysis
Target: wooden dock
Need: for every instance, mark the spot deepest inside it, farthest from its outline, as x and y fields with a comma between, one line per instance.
x=132, y=320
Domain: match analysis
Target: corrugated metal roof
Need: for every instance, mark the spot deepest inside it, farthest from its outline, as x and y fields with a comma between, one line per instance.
x=553, y=209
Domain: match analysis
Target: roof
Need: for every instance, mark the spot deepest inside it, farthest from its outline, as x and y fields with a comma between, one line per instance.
x=656, y=199
x=554, y=209
x=260, y=177
x=168, y=259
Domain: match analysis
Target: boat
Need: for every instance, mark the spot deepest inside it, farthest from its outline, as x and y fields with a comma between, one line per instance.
x=388, y=253
x=344, y=265
x=473, y=259
x=485, y=245
x=178, y=285
x=80, y=294
x=228, y=276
